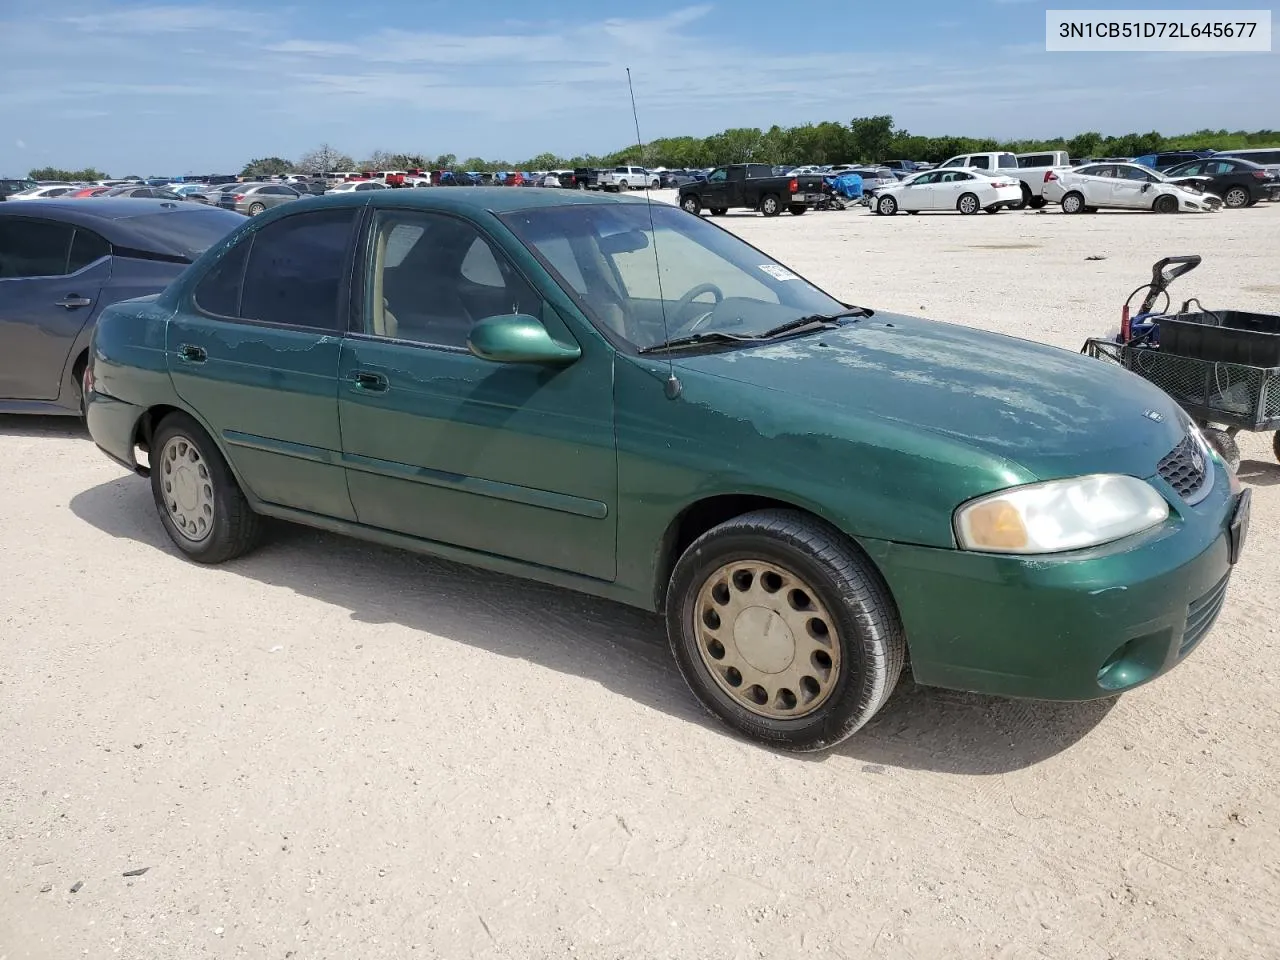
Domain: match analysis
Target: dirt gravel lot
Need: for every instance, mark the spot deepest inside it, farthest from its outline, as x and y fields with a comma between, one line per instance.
x=331, y=750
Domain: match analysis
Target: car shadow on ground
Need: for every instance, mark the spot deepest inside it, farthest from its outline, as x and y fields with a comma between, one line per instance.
x=23, y=425
x=619, y=647
x=1259, y=473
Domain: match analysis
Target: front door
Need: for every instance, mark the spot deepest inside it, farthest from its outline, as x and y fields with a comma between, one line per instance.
x=50, y=277
x=918, y=194
x=255, y=353
x=515, y=460
x=716, y=190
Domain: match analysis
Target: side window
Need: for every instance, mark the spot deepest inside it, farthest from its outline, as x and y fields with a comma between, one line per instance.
x=1219, y=166
x=295, y=270
x=718, y=176
x=982, y=163
x=1009, y=160
x=86, y=247
x=956, y=162
x=432, y=277
x=559, y=253
x=218, y=291
x=34, y=248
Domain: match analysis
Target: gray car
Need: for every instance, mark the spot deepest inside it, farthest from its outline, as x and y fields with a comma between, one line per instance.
x=62, y=261
x=253, y=198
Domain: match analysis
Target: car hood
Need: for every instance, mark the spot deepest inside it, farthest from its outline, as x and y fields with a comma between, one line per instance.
x=1054, y=412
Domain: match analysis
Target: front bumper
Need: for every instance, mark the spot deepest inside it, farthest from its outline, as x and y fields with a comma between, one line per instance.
x=1069, y=627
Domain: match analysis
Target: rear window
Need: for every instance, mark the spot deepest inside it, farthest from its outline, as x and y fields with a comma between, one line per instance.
x=185, y=233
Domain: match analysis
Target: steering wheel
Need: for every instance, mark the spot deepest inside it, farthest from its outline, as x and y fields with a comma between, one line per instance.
x=687, y=301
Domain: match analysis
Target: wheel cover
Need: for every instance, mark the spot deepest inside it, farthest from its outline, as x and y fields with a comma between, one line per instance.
x=889, y=204
x=188, y=488
x=1072, y=203
x=766, y=639
x=1236, y=197
x=968, y=204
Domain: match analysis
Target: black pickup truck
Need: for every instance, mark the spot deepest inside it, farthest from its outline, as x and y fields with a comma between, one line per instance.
x=751, y=185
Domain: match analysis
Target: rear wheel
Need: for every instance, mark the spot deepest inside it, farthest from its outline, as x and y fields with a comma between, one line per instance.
x=719, y=211
x=784, y=630
x=770, y=205
x=992, y=209
x=1026, y=198
x=1165, y=204
x=690, y=204
x=1073, y=202
x=968, y=204
x=1275, y=444
x=1236, y=197
x=1037, y=203
x=798, y=209
x=201, y=506
x=255, y=209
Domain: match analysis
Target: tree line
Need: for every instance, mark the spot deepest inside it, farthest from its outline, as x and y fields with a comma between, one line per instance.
x=864, y=139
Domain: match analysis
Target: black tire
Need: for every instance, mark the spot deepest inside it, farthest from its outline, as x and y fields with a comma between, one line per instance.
x=968, y=204
x=1037, y=203
x=1073, y=202
x=235, y=528
x=1026, y=198
x=1275, y=444
x=1165, y=204
x=1236, y=197
x=770, y=205
x=798, y=209
x=255, y=209
x=623, y=187
x=992, y=209
x=690, y=204
x=719, y=211
x=886, y=206
x=868, y=632
x=914, y=213
x=1225, y=444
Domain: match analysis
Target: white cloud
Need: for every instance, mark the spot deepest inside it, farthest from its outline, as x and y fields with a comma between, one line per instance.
x=233, y=83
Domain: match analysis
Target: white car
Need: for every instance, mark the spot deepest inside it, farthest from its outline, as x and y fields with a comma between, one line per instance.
x=967, y=191
x=1124, y=186
x=349, y=185
x=44, y=192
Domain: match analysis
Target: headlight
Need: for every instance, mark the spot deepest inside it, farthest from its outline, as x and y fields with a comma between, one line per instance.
x=1059, y=515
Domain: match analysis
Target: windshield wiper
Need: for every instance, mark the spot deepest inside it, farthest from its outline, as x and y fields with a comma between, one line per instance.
x=825, y=320
x=711, y=336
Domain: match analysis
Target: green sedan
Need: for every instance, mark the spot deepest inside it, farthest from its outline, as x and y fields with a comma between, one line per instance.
x=628, y=401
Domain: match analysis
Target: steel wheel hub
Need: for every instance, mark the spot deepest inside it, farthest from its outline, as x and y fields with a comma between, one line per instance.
x=188, y=488
x=767, y=639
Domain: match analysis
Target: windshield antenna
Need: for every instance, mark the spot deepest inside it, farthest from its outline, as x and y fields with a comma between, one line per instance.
x=672, y=387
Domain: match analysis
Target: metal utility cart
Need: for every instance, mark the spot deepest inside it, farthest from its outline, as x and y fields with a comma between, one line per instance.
x=1222, y=367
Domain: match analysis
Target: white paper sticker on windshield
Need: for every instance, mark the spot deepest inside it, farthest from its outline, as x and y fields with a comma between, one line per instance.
x=777, y=272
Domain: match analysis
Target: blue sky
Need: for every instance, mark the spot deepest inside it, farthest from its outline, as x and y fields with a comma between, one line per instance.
x=171, y=88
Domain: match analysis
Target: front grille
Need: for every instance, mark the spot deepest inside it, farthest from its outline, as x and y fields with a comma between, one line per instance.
x=1201, y=614
x=1185, y=468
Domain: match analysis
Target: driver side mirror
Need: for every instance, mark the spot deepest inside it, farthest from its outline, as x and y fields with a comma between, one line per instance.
x=518, y=338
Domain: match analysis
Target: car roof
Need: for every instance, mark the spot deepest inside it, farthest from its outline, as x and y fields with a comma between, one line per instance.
x=109, y=216
x=497, y=200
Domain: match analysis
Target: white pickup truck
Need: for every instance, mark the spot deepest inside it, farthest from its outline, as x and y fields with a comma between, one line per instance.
x=1030, y=169
x=628, y=178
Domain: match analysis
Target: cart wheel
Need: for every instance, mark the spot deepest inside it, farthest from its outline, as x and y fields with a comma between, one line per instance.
x=1226, y=446
x=1275, y=444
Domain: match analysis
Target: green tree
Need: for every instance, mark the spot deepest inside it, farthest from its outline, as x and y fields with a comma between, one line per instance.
x=56, y=173
x=871, y=139
x=445, y=161
x=324, y=160
x=267, y=167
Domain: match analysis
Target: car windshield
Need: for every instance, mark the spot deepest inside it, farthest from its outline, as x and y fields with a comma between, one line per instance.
x=188, y=232
x=697, y=279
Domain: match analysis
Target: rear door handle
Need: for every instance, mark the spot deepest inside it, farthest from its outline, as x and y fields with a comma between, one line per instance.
x=370, y=382
x=192, y=354
x=72, y=302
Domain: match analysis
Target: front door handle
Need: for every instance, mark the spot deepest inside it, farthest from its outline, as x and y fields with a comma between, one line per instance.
x=192, y=354
x=370, y=382
x=73, y=301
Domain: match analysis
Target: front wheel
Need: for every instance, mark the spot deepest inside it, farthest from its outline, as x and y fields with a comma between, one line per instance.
x=798, y=209
x=887, y=206
x=784, y=630
x=770, y=206
x=719, y=211
x=690, y=204
x=1165, y=204
x=201, y=506
x=968, y=204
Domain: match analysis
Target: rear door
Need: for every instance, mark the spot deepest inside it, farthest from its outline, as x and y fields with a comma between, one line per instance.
x=255, y=354
x=51, y=275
